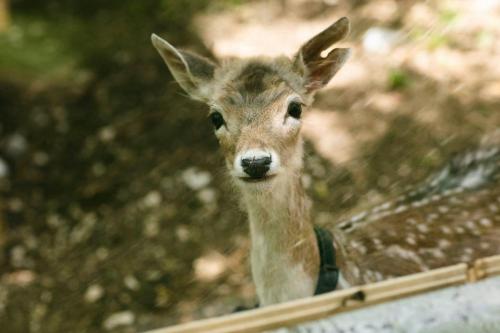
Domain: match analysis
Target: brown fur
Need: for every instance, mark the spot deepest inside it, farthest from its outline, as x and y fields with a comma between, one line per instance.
x=418, y=232
x=454, y=218
x=252, y=96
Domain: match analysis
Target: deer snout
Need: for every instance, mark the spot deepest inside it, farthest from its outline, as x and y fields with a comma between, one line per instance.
x=256, y=167
x=256, y=164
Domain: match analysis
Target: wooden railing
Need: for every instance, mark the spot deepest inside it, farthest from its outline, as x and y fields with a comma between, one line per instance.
x=313, y=308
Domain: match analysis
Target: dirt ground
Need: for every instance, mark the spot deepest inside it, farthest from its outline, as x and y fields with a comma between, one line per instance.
x=116, y=213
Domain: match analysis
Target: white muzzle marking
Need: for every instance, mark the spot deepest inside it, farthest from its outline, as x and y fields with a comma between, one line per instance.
x=255, y=153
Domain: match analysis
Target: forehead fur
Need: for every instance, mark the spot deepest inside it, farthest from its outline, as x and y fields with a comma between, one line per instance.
x=257, y=78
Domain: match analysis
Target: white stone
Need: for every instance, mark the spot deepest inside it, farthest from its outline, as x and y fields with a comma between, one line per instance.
x=131, y=282
x=196, y=179
x=107, y=134
x=18, y=256
x=209, y=267
x=152, y=199
x=16, y=144
x=93, y=293
x=207, y=195
x=486, y=222
x=124, y=318
x=380, y=40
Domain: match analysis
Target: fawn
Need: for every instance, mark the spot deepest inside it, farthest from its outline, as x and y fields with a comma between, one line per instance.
x=255, y=107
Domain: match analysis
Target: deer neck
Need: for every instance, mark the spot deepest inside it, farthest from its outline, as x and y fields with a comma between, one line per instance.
x=284, y=254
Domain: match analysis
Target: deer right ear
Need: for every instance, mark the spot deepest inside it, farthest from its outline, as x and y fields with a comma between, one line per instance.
x=320, y=70
x=191, y=71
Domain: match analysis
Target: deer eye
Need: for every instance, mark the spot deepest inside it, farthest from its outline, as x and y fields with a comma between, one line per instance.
x=216, y=119
x=295, y=109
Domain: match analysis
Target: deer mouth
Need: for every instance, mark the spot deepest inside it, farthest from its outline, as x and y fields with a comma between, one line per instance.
x=257, y=180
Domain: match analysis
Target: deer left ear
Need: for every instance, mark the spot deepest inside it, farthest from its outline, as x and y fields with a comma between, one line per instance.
x=193, y=72
x=318, y=70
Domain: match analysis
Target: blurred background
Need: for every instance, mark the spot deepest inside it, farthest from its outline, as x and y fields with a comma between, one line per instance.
x=116, y=213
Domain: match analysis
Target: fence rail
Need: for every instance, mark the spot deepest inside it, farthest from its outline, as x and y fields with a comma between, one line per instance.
x=313, y=308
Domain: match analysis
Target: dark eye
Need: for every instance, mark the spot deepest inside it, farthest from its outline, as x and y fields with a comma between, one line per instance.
x=217, y=119
x=295, y=109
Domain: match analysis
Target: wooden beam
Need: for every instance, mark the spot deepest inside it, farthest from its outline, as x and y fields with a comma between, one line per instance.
x=312, y=308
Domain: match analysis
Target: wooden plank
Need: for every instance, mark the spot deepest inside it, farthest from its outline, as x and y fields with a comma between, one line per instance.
x=312, y=308
x=487, y=267
x=290, y=313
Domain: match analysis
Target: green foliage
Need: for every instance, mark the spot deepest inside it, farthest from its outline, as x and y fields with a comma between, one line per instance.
x=437, y=40
x=448, y=16
x=33, y=47
x=485, y=39
x=398, y=79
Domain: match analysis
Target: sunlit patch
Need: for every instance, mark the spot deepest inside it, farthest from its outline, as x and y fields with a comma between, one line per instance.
x=209, y=267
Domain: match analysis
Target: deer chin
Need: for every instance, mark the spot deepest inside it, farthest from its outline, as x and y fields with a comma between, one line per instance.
x=265, y=184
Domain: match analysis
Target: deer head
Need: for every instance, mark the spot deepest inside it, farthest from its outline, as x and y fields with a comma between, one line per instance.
x=256, y=104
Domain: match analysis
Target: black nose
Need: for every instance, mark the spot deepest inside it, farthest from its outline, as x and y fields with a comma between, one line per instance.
x=256, y=167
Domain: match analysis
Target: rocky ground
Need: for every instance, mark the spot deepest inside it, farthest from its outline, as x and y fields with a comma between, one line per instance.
x=115, y=210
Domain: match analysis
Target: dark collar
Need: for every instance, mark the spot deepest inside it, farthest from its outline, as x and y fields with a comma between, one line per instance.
x=328, y=270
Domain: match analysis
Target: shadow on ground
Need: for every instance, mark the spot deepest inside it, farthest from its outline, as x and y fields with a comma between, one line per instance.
x=115, y=210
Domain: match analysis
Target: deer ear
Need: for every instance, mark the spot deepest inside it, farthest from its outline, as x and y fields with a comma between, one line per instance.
x=320, y=70
x=191, y=71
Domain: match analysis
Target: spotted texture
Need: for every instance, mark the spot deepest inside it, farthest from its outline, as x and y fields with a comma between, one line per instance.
x=453, y=217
